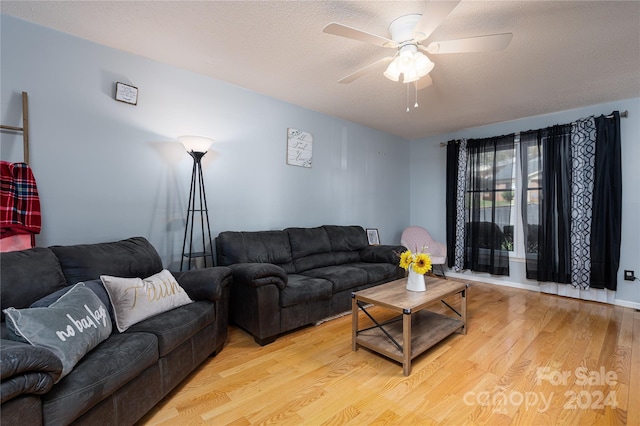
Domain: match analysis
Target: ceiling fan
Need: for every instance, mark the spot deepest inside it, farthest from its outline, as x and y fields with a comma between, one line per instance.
x=408, y=36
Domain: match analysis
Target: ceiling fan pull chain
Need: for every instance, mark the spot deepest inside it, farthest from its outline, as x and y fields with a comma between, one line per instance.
x=415, y=84
x=407, y=97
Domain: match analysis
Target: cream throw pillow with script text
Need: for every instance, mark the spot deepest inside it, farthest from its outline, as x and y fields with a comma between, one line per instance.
x=136, y=299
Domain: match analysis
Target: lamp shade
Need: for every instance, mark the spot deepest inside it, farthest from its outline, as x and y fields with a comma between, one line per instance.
x=196, y=143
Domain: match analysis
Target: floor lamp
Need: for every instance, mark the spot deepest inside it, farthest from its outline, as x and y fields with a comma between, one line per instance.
x=197, y=147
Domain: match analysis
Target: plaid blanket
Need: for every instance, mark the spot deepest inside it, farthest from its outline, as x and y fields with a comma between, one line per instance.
x=20, y=207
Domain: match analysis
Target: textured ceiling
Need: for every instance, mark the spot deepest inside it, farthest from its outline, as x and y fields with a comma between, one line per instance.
x=563, y=54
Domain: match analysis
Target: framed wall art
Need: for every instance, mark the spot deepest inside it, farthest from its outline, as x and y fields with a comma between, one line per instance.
x=126, y=93
x=373, y=236
x=299, y=148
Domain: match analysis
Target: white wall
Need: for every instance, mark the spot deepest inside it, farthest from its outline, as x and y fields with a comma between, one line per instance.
x=108, y=170
x=428, y=171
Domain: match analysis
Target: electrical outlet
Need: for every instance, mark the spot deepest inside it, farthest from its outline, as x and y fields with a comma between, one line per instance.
x=629, y=275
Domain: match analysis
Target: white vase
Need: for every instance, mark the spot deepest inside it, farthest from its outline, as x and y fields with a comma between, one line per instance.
x=415, y=281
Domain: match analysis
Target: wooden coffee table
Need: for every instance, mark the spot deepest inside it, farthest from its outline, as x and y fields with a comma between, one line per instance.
x=414, y=331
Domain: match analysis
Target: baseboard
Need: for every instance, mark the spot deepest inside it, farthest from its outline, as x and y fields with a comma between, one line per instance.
x=488, y=280
x=627, y=304
x=339, y=315
x=332, y=317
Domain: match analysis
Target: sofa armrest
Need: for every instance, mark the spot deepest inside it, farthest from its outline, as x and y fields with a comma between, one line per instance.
x=26, y=369
x=382, y=254
x=204, y=283
x=258, y=274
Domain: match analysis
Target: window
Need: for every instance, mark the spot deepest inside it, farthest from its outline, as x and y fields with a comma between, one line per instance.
x=508, y=197
x=489, y=194
x=531, y=166
x=564, y=218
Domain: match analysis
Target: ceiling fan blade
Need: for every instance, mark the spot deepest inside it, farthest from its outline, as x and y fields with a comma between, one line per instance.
x=489, y=43
x=355, y=34
x=433, y=15
x=425, y=81
x=362, y=71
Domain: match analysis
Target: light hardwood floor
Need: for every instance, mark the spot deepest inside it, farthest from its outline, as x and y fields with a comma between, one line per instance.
x=527, y=359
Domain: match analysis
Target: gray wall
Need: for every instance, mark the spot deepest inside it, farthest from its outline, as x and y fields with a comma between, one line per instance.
x=108, y=170
x=428, y=171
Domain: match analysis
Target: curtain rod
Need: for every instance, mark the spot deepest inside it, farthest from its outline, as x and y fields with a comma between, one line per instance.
x=623, y=114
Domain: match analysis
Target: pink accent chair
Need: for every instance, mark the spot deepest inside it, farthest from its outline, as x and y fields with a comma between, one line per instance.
x=417, y=239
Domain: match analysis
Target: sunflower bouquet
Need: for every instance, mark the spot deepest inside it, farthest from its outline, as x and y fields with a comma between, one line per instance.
x=419, y=262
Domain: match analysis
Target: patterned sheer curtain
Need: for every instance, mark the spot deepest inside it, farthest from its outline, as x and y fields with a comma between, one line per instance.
x=456, y=188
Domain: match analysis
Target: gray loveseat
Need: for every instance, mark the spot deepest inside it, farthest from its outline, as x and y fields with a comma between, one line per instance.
x=127, y=374
x=287, y=279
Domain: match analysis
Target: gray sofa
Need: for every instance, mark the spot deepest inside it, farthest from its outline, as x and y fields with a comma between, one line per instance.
x=128, y=373
x=283, y=280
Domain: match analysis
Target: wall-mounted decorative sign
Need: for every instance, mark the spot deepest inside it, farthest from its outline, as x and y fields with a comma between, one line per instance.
x=299, y=148
x=126, y=93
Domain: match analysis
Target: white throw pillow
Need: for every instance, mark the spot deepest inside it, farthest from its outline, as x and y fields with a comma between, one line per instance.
x=136, y=299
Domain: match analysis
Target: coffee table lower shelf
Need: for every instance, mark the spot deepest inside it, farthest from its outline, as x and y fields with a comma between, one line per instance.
x=427, y=329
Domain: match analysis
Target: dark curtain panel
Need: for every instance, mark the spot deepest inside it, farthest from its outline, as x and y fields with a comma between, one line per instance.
x=452, y=179
x=489, y=194
x=546, y=199
x=607, y=204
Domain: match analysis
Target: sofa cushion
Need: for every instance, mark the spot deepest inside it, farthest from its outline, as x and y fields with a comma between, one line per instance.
x=93, y=285
x=313, y=262
x=254, y=247
x=378, y=273
x=112, y=364
x=342, y=277
x=27, y=276
x=133, y=257
x=346, y=238
x=346, y=242
x=23, y=410
x=342, y=257
x=70, y=327
x=303, y=289
x=310, y=248
x=178, y=325
x=308, y=241
x=136, y=299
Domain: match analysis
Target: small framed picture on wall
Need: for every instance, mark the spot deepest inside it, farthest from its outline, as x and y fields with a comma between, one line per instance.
x=373, y=236
x=126, y=93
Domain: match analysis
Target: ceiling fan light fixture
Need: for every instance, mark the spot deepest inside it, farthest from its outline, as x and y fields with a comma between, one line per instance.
x=410, y=76
x=392, y=72
x=408, y=33
x=404, y=62
x=409, y=62
x=422, y=64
